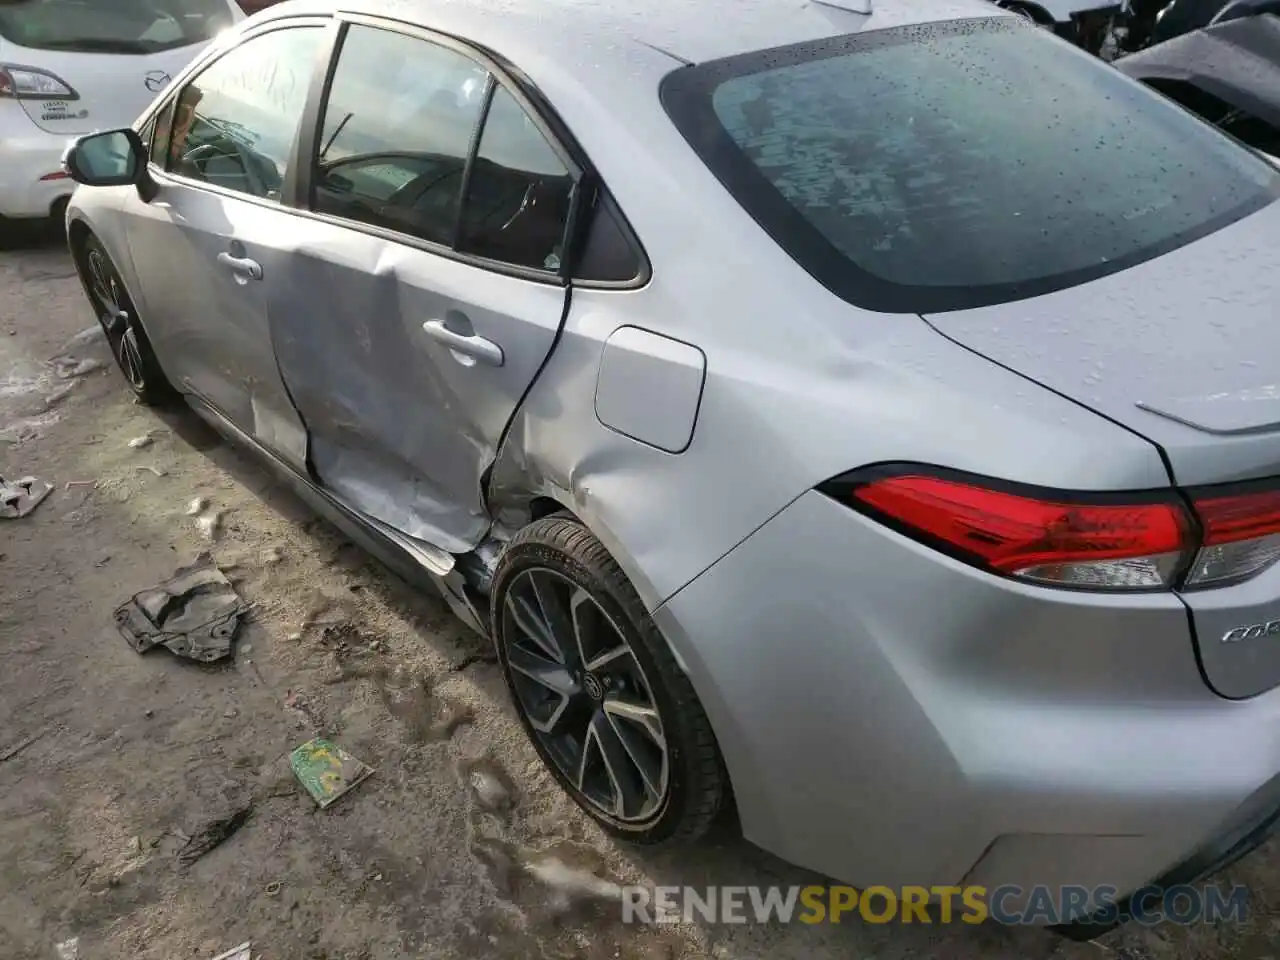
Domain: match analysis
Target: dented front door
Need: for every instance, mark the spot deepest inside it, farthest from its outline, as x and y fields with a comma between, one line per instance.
x=212, y=242
x=207, y=265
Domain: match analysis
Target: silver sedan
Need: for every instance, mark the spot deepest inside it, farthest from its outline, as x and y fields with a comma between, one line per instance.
x=864, y=413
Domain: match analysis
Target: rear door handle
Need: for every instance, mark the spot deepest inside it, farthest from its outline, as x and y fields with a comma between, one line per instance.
x=241, y=266
x=478, y=348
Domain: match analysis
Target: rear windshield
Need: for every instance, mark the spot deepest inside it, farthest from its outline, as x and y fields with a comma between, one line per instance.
x=112, y=26
x=955, y=165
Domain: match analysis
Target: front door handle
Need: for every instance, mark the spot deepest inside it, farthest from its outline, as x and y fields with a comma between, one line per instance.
x=241, y=266
x=478, y=348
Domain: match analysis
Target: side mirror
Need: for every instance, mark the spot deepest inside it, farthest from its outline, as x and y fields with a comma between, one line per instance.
x=116, y=158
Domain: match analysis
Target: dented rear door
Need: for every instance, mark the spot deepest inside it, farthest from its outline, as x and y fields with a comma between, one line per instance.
x=412, y=322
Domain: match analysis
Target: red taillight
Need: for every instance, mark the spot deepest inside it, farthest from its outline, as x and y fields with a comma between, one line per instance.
x=1241, y=534
x=1141, y=542
x=1122, y=541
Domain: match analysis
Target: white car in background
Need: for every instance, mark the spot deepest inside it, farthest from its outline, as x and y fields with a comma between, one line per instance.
x=70, y=67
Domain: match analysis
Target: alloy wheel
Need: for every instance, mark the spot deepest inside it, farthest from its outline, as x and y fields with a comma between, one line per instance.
x=111, y=306
x=585, y=695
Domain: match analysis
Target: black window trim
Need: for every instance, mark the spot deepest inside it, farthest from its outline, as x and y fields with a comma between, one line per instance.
x=162, y=175
x=469, y=165
x=686, y=94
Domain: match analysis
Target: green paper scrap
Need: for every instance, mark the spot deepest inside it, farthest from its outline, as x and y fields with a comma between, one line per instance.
x=327, y=771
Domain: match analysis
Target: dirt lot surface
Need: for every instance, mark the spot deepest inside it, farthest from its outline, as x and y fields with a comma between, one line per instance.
x=458, y=846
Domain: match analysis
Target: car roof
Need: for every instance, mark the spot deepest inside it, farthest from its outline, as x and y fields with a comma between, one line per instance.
x=587, y=32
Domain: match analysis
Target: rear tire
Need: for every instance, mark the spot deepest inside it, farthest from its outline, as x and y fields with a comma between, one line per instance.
x=612, y=716
x=119, y=319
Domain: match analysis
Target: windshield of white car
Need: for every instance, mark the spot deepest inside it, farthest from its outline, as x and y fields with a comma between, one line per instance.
x=112, y=26
x=954, y=165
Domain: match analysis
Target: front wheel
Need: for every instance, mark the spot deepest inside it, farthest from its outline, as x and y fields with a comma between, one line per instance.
x=598, y=692
x=119, y=319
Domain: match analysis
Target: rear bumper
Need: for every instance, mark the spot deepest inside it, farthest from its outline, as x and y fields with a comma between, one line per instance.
x=27, y=156
x=1248, y=831
x=892, y=717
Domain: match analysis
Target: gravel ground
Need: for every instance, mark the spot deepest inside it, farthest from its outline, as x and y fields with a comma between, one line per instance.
x=458, y=846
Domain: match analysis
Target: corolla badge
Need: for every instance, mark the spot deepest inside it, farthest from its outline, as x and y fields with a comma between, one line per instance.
x=1252, y=631
x=156, y=80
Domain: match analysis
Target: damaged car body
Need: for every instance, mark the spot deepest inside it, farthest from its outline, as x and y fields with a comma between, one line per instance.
x=658, y=343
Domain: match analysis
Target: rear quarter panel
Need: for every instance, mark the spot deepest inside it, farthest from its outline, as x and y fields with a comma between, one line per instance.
x=799, y=385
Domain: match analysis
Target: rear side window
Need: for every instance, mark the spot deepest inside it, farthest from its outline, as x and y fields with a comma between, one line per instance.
x=234, y=124
x=955, y=165
x=112, y=26
x=397, y=130
x=518, y=193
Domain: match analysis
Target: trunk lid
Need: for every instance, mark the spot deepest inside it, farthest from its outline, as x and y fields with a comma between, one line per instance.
x=1181, y=349
x=116, y=55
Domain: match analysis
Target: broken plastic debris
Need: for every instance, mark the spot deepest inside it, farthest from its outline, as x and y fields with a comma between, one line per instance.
x=195, y=613
x=139, y=443
x=326, y=771
x=237, y=953
x=19, y=497
x=150, y=469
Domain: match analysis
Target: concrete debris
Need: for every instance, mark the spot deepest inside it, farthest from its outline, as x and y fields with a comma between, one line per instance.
x=197, y=506
x=141, y=443
x=68, y=949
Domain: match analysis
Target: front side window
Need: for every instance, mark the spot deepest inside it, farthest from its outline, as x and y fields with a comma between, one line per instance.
x=960, y=164
x=397, y=129
x=112, y=26
x=519, y=193
x=234, y=124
